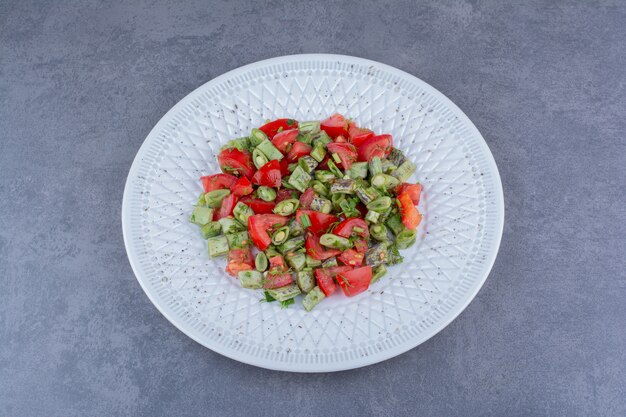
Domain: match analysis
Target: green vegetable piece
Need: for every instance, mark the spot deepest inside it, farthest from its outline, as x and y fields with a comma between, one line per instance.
x=269, y=150
x=299, y=179
x=292, y=167
x=388, y=166
x=201, y=200
x=256, y=137
x=218, y=246
x=284, y=293
x=259, y=158
x=357, y=170
x=393, y=256
x=271, y=251
x=319, y=152
x=287, y=207
x=379, y=232
x=304, y=138
x=321, y=137
x=305, y=280
x=367, y=195
x=239, y=240
x=375, y=166
x=297, y=260
x=306, y=222
x=230, y=225
x=286, y=183
x=313, y=298
x=324, y=176
x=384, y=181
x=309, y=127
x=280, y=235
x=330, y=262
x=292, y=244
x=376, y=255
x=311, y=262
x=348, y=207
x=287, y=303
x=321, y=204
x=201, y=215
x=260, y=262
x=334, y=169
x=380, y=204
x=242, y=144
x=214, y=198
x=319, y=188
x=343, y=186
x=295, y=228
x=210, y=229
x=242, y=212
x=404, y=171
x=396, y=157
x=372, y=216
x=307, y=163
x=394, y=222
x=405, y=239
x=336, y=242
x=250, y=279
x=378, y=273
x=266, y=193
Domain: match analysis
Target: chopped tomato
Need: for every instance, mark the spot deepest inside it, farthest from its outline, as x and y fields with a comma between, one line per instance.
x=413, y=190
x=325, y=282
x=360, y=245
x=278, y=263
x=226, y=209
x=320, y=222
x=284, y=167
x=351, y=257
x=315, y=249
x=218, y=182
x=358, y=135
x=346, y=228
x=259, y=206
x=356, y=281
x=334, y=270
x=285, y=139
x=285, y=194
x=235, y=161
x=271, y=128
x=239, y=260
x=324, y=163
x=298, y=150
x=411, y=218
x=242, y=187
x=268, y=175
x=346, y=152
x=340, y=139
x=306, y=198
x=277, y=281
x=362, y=209
x=335, y=125
x=375, y=146
x=260, y=224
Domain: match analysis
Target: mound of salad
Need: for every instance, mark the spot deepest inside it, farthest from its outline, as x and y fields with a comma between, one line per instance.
x=306, y=207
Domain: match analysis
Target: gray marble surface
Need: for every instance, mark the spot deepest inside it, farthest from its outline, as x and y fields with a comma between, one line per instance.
x=81, y=85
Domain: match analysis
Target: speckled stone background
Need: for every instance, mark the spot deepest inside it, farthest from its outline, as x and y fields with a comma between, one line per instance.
x=81, y=85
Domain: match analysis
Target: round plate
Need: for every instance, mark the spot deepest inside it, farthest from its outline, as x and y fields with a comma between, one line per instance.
x=457, y=243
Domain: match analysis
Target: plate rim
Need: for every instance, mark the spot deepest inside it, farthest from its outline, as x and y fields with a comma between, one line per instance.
x=319, y=367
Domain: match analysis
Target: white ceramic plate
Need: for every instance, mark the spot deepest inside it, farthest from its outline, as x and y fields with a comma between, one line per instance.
x=457, y=243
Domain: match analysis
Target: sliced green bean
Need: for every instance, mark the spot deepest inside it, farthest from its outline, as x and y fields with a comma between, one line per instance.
x=280, y=236
x=378, y=273
x=292, y=244
x=266, y=193
x=343, y=186
x=311, y=262
x=376, y=255
x=256, y=137
x=242, y=212
x=375, y=166
x=380, y=204
x=330, y=262
x=379, y=232
x=396, y=157
x=231, y=225
x=319, y=152
x=384, y=181
x=295, y=228
x=405, y=239
x=333, y=241
x=218, y=246
x=313, y=298
x=324, y=176
x=404, y=171
x=372, y=216
x=309, y=127
x=260, y=262
x=250, y=279
x=334, y=169
x=214, y=198
x=211, y=229
x=322, y=205
x=319, y=188
x=201, y=215
x=269, y=150
x=367, y=195
x=307, y=163
x=287, y=207
x=305, y=280
x=259, y=158
x=357, y=170
x=238, y=240
x=394, y=222
x=297, y=260
x=299, y=179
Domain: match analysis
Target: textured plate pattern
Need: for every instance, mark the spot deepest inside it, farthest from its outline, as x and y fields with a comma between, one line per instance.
x=457, y=240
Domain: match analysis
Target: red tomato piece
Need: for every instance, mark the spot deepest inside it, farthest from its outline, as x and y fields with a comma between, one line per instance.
x=324, y=163
x=358, y=135
x=413, y=190
x=351, y=257
x=346, y=228
x=271, y=128
x=346, y=152
x=334, y=270
x=277, y=281
x=298, y=150
x=375, y=146
x=260, y=224
x=284, y=167
x=360, y=245
x=320, y=222
x=226, y=209
x=362, y=209
x=315, y=249
x=277, y=262
x=259, y=206
x=242, y=187
x=218, y=182
x=235, y=161
x=356, y=281
x=335, y=125
x=285, y=139
x=411, y=218
x=239, y=260
x=268, y=175
x=325, y=282
x=285, y=194
x=306, y=198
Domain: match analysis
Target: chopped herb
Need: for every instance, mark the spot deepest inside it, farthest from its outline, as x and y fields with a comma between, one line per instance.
x=287, y=303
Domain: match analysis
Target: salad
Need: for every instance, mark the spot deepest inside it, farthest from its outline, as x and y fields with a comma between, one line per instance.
x=306, y=207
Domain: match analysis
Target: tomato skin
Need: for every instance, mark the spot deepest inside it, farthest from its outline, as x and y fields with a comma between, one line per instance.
x=271, y=128
x=298, y=150
x=242, y=187
x=346, y=152
x=411, y=218
x=306, y=198
x=325, y=282
x=259, y=206
x=286, y=194
x=375, y=146
x=334, y=270
x=358, y=135
x=344, y=229
x=284, y=140
x=258, y=226
x=234, y=160
x=335, y=125
x=239, y=260
x=277, y=281
x=226, y=209
x=351, y=257
x=268, y=175
x=356, y=281
x=315, y=249
x=320, y=222
x=360, y=245
x=218, y=182
x=413, y=190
